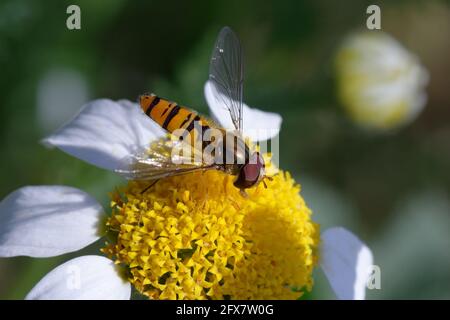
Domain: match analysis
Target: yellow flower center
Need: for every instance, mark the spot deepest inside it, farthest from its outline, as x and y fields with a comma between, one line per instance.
x=196, y=237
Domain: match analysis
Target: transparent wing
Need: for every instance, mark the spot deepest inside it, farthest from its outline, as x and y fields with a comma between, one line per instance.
x=163, y=159
x=226, y=74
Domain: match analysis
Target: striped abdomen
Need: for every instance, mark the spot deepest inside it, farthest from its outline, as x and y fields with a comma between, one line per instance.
x=169, y=115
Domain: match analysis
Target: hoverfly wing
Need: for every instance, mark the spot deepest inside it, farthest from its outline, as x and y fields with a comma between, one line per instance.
x=226, y=75
x=163, y=159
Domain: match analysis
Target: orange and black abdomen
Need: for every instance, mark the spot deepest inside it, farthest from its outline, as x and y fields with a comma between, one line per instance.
x=169, y=115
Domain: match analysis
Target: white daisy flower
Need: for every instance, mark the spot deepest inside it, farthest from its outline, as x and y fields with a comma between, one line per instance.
x=380, y=83
x=158, y=235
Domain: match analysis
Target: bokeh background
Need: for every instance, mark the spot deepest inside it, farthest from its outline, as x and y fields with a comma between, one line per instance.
x=390, y=188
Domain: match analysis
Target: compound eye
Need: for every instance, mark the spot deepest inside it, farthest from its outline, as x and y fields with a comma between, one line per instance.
x=251, y=172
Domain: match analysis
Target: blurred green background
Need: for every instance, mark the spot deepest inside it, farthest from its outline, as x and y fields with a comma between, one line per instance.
x=392, y=189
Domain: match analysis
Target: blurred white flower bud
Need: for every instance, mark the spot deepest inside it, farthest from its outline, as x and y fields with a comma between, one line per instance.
x=380, y=83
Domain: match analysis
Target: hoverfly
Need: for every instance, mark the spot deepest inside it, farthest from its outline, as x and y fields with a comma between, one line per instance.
x=186, y=127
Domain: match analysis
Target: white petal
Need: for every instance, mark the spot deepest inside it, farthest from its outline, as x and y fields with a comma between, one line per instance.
x=257, y=125
x=105, y=132
x=346, y=262
x=44, y=221
x=82, y=278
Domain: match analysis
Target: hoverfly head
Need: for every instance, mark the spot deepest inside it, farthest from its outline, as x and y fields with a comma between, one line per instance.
x=251, y=173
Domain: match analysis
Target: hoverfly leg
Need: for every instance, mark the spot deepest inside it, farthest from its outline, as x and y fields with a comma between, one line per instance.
x=151, y=185
x=243, y=193
x=264, y=183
